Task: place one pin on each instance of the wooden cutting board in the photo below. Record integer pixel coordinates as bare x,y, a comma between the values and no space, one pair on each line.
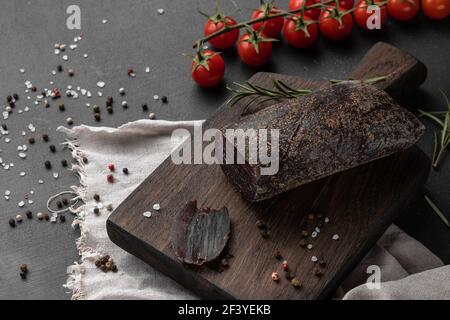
360,204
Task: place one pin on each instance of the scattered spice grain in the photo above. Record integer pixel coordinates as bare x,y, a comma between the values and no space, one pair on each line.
296,283
12,223
275,276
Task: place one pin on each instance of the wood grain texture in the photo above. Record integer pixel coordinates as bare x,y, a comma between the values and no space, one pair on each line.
360,204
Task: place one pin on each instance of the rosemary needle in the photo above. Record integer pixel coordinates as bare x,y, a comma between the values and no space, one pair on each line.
442,118
281,90
437,211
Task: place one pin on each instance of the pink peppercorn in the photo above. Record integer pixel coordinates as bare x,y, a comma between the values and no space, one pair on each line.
111,167
285,265
110,178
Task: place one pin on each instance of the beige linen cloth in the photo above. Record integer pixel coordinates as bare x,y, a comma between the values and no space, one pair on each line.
141,146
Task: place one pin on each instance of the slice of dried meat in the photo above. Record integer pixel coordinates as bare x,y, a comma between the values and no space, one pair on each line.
200,235
328,131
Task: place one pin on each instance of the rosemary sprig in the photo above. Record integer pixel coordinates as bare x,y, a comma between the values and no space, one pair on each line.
437,211
281,90
442,139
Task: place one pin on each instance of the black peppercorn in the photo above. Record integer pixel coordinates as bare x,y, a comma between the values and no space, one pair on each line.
33,89
5,127
12,104
109,101
9,98
71,73
164,99
29,214
125,170
97,117
23,275
48,165
46,217
12,223
16,96
97,211
31,140
65,202
62,218
64,163
145,107
45,137
277,255
23,268
260,224
47,104
85,160
96,197
62,107
59,68
59,204
52,148
109,109
44,93
96,109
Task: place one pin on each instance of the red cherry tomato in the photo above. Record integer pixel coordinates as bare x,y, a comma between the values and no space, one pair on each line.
436,9
226,40
331,28
361,15
211,75
298,38
346,4
403,9
272,27
248,53
298,4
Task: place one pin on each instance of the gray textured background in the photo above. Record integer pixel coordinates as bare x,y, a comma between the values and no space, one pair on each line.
135,36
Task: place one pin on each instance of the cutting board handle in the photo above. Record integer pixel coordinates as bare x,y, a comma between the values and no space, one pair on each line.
404,72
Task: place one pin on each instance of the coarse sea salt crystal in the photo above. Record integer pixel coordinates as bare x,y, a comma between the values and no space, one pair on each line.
55,175
314,259
85,55
156,207
22,70
155,97
41,181
160,11
147,69
22,155
73,46
21,204
104,21
309,246
335,237
147,214
65,57
100,84
22,174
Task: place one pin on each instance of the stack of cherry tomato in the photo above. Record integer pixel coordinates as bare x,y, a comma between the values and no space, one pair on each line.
334,21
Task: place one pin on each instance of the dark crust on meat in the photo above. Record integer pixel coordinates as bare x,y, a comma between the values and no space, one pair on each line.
329,131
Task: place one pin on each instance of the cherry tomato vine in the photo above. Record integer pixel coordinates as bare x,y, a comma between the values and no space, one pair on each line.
300,26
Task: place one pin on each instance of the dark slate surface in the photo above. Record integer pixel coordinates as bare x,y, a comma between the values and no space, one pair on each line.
136,36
